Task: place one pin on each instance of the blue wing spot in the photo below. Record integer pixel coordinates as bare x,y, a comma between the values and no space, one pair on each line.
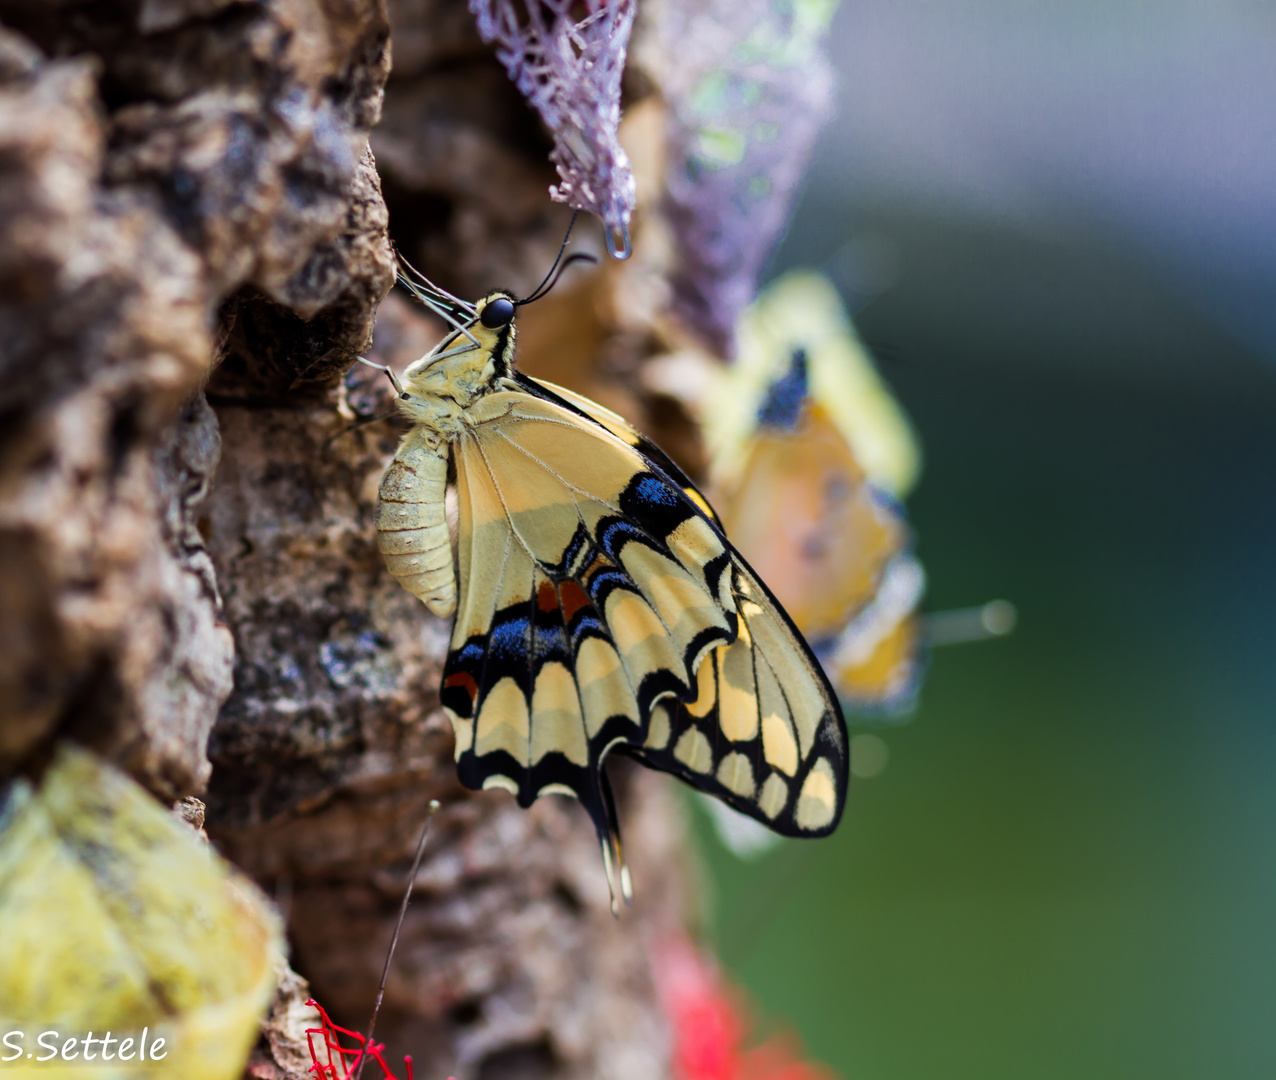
616,534
588,626
656,503
551,643
508,641
782,406
654,492
602,582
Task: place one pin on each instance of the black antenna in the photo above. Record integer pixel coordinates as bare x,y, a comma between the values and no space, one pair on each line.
577,256
536,293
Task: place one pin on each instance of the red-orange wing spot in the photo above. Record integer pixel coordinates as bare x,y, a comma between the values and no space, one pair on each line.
465,681
572,598
546,597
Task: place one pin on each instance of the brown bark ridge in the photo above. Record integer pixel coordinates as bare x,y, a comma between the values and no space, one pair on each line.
193,245
157,161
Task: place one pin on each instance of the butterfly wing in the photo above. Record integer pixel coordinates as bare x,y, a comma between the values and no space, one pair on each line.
592,588
809,521
876,660
624,431
763,734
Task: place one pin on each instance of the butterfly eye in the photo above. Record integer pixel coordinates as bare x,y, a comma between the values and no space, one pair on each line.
497,312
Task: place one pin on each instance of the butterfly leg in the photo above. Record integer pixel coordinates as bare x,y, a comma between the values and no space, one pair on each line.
362,421
389,372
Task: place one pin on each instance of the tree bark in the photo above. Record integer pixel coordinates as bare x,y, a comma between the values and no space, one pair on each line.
194,241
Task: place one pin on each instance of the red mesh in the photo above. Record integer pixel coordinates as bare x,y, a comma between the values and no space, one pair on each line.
333,1061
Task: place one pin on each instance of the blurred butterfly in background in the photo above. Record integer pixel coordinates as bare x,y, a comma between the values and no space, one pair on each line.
599,605
810,459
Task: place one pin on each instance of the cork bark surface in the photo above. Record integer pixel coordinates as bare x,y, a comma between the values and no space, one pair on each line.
197,199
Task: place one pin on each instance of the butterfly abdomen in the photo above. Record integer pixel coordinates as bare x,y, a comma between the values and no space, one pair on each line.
412,530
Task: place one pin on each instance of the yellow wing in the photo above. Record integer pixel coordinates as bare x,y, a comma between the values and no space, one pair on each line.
809,522
738,686
876,660
626,432
593,584
837,553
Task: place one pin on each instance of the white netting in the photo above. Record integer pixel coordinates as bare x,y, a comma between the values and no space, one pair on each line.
567,58
749,86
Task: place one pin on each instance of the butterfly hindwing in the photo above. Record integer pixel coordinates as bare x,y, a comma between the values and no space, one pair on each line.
763,734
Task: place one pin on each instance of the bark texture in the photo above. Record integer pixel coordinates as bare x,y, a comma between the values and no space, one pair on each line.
193,246
158,163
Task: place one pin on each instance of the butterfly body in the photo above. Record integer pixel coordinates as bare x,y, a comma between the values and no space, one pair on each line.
435,394
598,604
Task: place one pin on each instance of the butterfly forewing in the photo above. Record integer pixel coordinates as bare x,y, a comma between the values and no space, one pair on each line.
624,431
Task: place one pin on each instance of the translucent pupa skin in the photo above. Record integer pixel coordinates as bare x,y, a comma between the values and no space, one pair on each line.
435,395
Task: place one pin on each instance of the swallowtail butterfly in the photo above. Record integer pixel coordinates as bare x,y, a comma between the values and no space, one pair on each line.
599,605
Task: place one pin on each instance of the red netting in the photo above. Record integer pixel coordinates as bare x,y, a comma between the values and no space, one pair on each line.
333,1061
704,1012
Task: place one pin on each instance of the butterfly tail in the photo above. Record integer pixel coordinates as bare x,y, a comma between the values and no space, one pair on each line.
608,826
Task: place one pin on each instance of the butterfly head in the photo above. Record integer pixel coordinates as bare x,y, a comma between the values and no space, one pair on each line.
479,351
496,309
467,364
494,329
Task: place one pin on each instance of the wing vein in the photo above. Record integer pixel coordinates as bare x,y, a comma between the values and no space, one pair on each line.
530,692
500,580
496,486
554,472
575,491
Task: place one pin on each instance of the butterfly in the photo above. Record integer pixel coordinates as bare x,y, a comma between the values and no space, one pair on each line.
599,605
810,458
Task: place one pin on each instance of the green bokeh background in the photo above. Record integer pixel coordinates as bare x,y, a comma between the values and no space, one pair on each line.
1068,867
